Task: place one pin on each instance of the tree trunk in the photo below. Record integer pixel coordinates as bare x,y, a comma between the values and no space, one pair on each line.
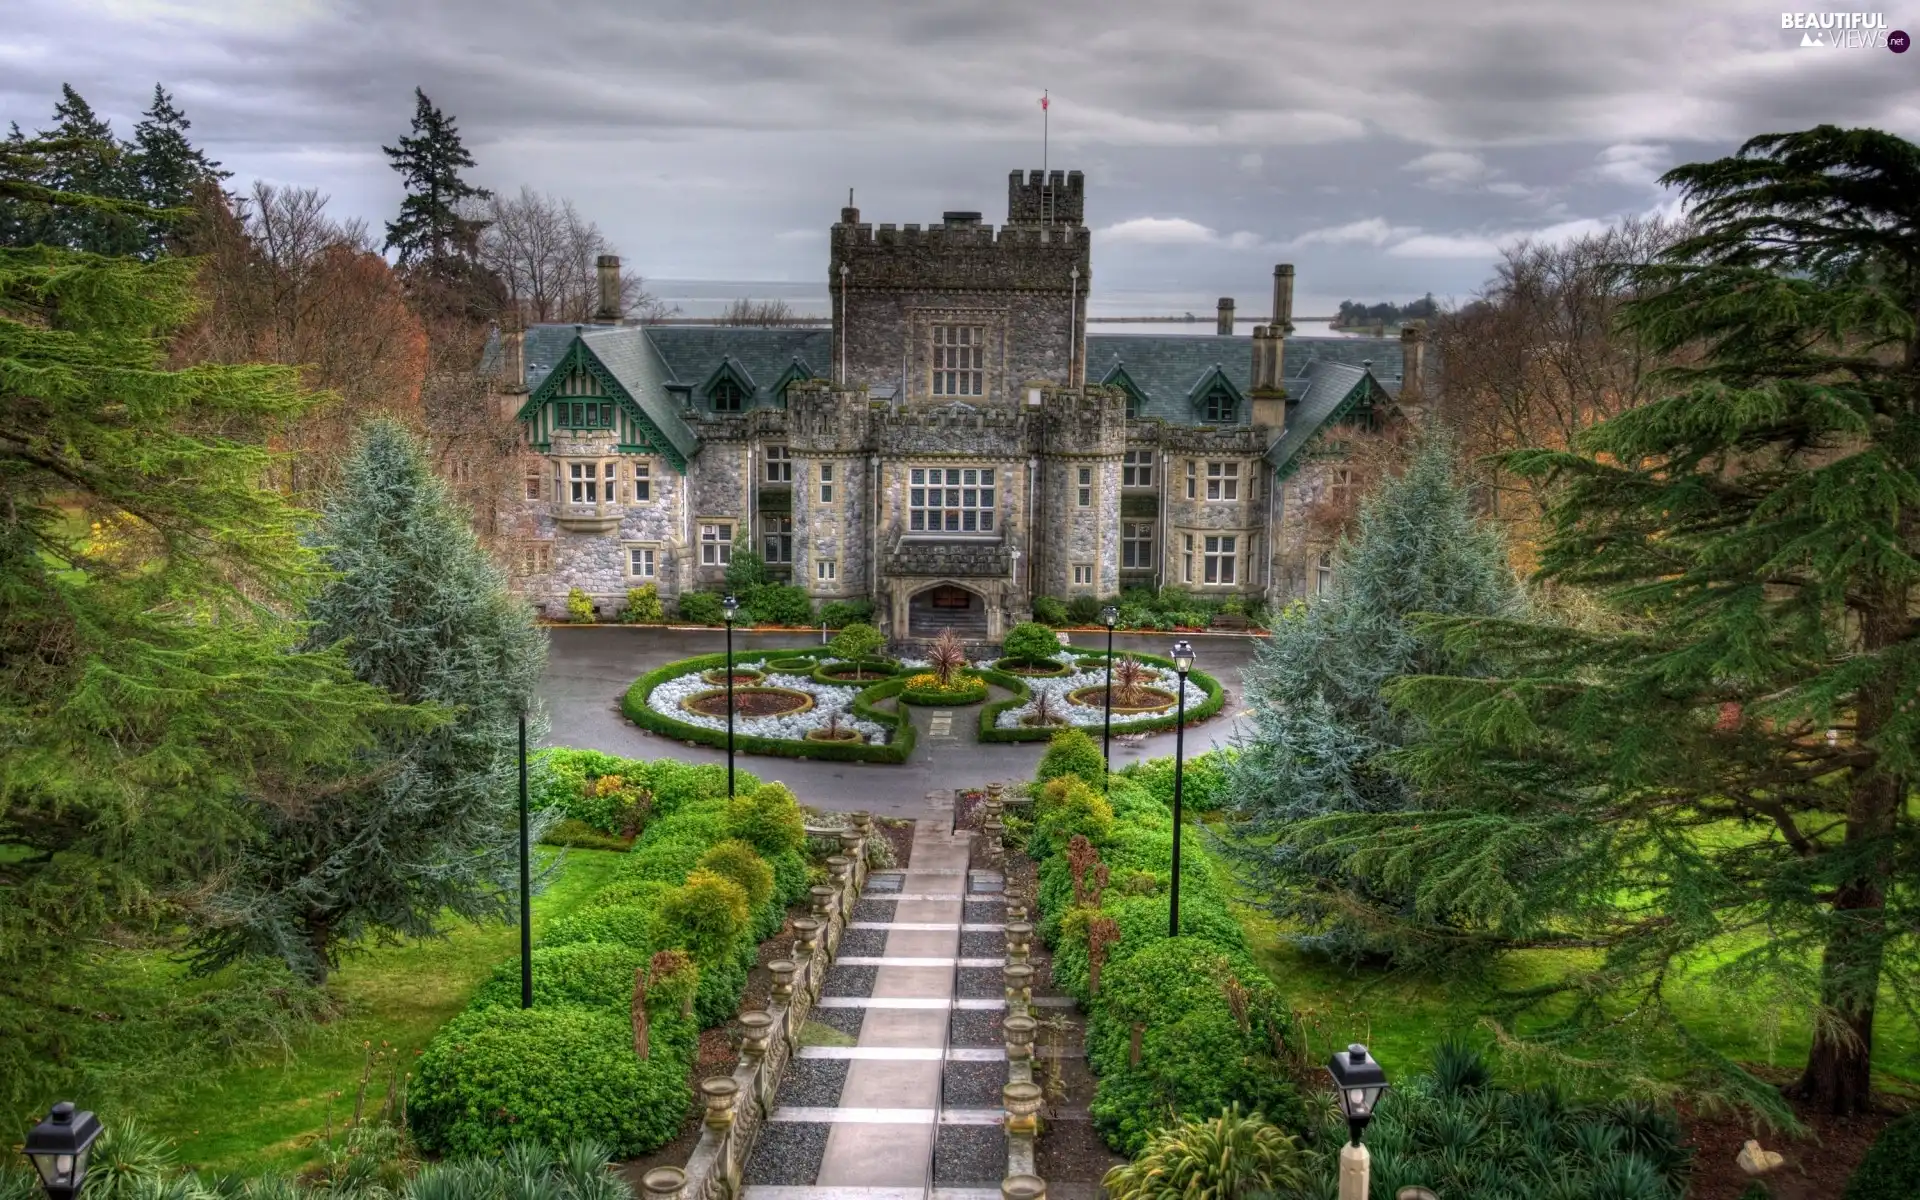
319,942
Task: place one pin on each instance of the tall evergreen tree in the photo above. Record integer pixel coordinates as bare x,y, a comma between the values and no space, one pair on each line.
1729,785
430,230
148,677
87,159
1320,724
166,166
423,614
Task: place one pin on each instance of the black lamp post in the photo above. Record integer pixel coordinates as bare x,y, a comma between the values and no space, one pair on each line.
1109,616
1182,663
526,875
730,606
1358,1082
58,1146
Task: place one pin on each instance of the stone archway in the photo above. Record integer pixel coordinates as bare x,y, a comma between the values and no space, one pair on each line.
948,605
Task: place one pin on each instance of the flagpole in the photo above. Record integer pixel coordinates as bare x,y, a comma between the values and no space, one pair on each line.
1046,190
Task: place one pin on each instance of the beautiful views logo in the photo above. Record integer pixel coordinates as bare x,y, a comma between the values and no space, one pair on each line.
1841,31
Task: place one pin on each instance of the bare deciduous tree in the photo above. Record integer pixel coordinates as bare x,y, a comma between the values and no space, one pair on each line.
544,252
758,312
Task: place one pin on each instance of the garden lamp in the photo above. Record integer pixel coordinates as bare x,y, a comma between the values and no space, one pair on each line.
58,1148
730,607
1358,1082
1182,663
1109,616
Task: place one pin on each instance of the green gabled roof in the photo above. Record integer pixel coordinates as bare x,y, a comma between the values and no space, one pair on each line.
730,368
1328,394
624,362
1215,378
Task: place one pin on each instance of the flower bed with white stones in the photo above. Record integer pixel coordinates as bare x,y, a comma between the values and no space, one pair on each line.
1059,688
827,700
655,702
1005,721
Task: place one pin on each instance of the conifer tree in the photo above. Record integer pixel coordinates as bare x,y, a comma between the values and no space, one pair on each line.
166,166
148,675
1321,727
91,161
422,613
431,231
1727,785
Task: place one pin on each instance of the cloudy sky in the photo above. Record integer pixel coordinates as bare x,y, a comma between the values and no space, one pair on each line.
1387,148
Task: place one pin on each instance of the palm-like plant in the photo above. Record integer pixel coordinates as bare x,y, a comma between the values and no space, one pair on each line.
946,657
1229,1156
1046,709
1130,675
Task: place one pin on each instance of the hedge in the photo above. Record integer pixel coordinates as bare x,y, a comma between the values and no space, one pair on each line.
935,697
634,704
884,667
990,732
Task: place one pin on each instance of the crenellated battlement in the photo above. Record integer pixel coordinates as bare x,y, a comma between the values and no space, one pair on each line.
1059,197
959,257
953,429
1082,423
821,419
914,235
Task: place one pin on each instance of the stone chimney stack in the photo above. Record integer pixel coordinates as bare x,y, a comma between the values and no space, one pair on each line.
608,267
513,360
1283,298
1269,395
1223,324
1413,360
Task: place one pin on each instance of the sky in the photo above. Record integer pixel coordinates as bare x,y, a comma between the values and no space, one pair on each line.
1388,149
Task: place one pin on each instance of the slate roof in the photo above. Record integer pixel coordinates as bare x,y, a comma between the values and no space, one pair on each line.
1312,401
692,353
1167,366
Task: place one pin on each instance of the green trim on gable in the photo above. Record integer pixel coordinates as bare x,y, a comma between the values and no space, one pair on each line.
797,372
1214,382
731,371
537,411
1361,393
1136,396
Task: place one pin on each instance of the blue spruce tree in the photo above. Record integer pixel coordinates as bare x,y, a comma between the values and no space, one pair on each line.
1322,728
430,826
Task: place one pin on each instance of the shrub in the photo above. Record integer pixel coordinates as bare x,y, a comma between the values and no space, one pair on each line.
737,861
701,608
1203,789
579,607
1139,922
790,882
1065,807
705,916
704,821
628,924
717,1000
1891,1169
768,818
643,606
838,614
926,688
1033,642
666,861
1211,1032
1073,752
502,1074
678,784
778,604
596,974
1084,610
856,641
582,836
1228,1155
1049,611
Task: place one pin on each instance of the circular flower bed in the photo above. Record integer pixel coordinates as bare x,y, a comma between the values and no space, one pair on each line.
657,702
749,702
927,689
842,734
865,670
1144,699
1032,668
1091,682
742,676
799,664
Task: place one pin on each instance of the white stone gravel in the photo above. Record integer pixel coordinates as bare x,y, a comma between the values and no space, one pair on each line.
1080,714
827,700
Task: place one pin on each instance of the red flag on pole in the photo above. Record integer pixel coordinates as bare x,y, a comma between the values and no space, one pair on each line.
1043,102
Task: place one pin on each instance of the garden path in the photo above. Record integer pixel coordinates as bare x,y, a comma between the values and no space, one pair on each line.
895,1094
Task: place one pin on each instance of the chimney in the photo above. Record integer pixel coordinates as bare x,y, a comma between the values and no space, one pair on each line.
513,361
1283,298
1268,395
1224,324
1413,361
608,267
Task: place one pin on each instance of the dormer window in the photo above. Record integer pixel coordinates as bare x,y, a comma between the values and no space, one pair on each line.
1221,408
727,396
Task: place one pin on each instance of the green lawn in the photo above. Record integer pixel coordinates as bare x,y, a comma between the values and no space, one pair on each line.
251,1118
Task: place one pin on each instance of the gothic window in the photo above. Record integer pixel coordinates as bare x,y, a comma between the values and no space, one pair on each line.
959,360
1220,407
1223,481
779,465
1136,545
727,396
950,500
777,529
1220,559
1136,469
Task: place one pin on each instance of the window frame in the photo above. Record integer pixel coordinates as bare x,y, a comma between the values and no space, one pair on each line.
1193,476
715,550
826,570
779,465
1220,407
1136,546
1223,481
1082,574
1323,573
536,557
536,483
769,546
574,412
732,389
1083,482
1186,559
954,517
826,483
958,352
1136,469
642,483
652,552
1220,560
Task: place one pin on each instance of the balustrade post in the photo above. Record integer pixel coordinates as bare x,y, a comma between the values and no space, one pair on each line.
664,1183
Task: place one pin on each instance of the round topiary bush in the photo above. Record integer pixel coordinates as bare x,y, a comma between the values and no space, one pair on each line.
736,860
497,1075
1072,752
796,664
767,818
1032,642
705,916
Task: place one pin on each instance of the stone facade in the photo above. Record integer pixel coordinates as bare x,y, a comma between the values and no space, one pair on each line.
941,450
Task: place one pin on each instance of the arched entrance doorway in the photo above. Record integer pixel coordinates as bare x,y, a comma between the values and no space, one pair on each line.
947,606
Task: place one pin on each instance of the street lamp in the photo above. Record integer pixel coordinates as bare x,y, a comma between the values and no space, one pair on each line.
1358,1083
58,1146
1182,663
1109,616
526,875
730,606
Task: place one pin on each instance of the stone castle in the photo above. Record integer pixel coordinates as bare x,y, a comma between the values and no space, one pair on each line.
955,445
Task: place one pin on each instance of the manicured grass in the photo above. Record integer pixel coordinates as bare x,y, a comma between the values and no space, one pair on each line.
270,1115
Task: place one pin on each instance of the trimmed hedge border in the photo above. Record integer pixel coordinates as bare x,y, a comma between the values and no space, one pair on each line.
634,705
885,667
1005,664
990,732
973,695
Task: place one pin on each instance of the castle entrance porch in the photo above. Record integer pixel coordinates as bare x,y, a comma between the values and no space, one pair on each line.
949,606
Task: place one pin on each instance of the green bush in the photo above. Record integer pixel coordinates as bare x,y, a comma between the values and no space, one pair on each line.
579,607
1203,787
596,974
582,836
706,916
768,818
496,1075
576,783
736,860
1142,921
702,821
871,667
778,604
838,614
1891,1169
643,606
1226,1155
1032,642
721,985
1073,752
1212,1032
1049,611
790,882
678,784
1066,806
629,924
857,641
701,608
1084,610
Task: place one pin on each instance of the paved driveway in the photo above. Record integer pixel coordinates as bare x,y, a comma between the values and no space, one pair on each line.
589,669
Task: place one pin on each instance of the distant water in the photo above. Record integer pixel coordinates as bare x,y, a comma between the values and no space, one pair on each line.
710,298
